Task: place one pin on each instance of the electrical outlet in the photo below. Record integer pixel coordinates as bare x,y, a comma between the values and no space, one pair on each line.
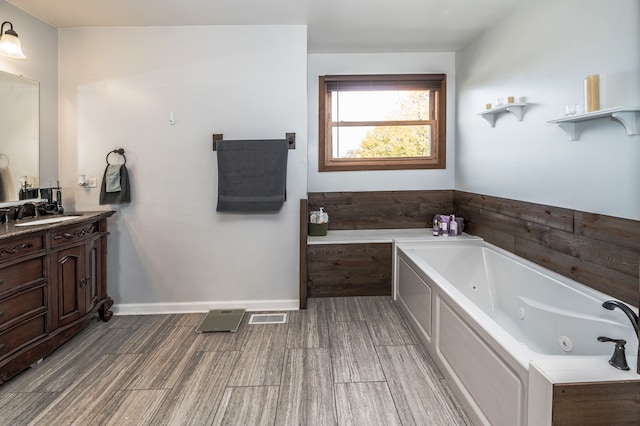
92,182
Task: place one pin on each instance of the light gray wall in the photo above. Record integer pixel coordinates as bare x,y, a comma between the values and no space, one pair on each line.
380,63
40,44
169,249
542,51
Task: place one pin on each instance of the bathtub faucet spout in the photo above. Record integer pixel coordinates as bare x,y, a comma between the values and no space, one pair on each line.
612,304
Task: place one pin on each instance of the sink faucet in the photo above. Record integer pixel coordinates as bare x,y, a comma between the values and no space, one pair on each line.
35,205
612,304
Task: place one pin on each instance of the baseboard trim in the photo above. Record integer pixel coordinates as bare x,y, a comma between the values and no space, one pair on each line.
196,307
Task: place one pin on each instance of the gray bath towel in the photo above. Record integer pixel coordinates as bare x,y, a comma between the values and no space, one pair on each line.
252,175
117,197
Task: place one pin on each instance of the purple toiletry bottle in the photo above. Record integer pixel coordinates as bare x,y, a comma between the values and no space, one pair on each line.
453,226
444,225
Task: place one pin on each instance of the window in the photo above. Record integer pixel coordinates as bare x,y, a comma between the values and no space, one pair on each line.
382,122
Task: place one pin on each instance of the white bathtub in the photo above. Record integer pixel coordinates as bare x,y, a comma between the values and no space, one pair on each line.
485,315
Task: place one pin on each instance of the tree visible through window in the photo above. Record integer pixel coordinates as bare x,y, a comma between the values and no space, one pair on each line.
382,122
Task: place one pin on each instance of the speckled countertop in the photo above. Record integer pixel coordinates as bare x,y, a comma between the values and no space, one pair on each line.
10,230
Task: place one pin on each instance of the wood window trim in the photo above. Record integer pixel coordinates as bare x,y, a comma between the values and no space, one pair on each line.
326,162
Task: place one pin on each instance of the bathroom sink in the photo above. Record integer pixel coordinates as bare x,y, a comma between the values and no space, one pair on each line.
47,220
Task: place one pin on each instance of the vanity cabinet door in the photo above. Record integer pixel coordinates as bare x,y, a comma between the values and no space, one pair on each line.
77,279
69,282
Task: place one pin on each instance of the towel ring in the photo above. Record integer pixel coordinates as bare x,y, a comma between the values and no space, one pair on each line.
119,151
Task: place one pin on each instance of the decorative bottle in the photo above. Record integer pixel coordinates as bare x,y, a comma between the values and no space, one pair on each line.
592,93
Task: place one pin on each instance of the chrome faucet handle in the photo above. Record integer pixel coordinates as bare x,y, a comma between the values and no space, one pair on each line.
618,359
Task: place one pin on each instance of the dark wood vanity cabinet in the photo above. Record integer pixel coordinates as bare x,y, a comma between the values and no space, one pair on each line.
52,283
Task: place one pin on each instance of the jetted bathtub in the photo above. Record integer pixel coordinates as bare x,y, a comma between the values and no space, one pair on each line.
485,315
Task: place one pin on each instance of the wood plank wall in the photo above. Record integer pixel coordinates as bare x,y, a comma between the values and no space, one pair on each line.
594,404
336,270
600,251
303,254
381,209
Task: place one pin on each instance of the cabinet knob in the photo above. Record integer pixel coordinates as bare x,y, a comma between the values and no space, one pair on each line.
82,281
1,314
1,346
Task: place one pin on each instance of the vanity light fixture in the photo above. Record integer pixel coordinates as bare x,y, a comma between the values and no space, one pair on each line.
10,43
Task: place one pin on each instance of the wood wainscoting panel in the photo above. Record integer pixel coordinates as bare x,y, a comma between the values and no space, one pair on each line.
349,270
519,211
381,209
302,255
587,404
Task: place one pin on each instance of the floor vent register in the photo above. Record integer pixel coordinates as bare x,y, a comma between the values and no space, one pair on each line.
268,318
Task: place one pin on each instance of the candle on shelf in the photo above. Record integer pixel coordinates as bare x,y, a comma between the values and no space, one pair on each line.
592,93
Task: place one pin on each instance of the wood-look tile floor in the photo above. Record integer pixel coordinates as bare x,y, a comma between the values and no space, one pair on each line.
343,361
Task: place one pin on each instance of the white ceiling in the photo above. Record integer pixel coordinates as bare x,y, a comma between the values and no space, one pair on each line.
333,25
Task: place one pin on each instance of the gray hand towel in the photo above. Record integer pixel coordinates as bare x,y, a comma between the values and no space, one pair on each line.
252,175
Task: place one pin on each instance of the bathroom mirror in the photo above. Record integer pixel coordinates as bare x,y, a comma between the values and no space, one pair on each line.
19,137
